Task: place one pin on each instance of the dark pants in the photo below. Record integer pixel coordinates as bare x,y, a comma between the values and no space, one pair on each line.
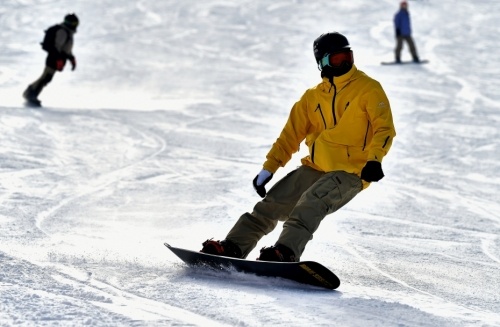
411,45
35,88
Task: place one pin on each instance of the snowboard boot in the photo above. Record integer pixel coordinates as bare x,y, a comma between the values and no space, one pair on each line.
276,252
31,96
224,248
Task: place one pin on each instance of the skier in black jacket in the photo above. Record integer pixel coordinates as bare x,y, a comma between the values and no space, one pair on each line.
59,45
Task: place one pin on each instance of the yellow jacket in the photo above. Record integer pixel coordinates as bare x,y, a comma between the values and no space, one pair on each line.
359,129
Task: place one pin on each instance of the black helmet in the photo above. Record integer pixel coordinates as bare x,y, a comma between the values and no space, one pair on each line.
71,21
333,54
330,43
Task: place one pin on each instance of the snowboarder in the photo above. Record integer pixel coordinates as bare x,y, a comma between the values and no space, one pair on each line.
346,122
402,25
58,43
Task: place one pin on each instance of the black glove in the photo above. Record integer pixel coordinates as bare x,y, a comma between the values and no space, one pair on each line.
398,32
372,171
60,64
260,181
72,59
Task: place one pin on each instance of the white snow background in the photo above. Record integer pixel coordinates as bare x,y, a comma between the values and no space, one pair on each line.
159,132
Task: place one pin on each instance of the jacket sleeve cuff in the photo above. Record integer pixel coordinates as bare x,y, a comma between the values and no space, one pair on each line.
271,166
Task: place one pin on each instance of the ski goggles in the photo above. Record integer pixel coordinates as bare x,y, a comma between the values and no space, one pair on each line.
335,59
71,23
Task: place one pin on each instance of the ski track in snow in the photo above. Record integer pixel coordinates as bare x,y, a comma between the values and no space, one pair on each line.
158,133
104,181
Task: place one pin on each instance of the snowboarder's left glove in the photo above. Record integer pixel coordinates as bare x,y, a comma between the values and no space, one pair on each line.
260,181
60,64
372,172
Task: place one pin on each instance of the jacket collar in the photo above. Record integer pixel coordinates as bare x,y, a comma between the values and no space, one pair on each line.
341,81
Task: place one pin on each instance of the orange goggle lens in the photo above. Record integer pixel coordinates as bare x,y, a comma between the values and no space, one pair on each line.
335,60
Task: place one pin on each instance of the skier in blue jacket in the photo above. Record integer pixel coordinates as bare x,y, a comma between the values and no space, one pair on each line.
402,25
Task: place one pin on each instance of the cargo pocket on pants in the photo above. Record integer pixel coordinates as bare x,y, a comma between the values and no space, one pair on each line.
329,193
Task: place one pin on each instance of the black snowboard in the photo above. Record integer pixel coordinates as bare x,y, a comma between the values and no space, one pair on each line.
306,272
421,62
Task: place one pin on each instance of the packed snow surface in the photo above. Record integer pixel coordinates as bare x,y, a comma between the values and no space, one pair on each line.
158,133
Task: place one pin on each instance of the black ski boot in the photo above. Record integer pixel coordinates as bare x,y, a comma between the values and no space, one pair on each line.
31,97
224,248
276,252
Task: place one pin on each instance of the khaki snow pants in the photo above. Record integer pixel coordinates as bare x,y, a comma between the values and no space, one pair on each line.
301,199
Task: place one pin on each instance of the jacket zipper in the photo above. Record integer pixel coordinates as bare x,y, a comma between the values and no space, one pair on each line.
333,103
321,113
386,140
324,121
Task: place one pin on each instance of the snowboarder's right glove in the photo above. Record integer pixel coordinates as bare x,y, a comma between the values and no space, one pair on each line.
372,171
72,60
260,181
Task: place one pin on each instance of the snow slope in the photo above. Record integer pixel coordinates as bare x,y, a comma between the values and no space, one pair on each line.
158,133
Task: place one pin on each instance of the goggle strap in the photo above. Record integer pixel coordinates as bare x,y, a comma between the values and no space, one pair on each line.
325,61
